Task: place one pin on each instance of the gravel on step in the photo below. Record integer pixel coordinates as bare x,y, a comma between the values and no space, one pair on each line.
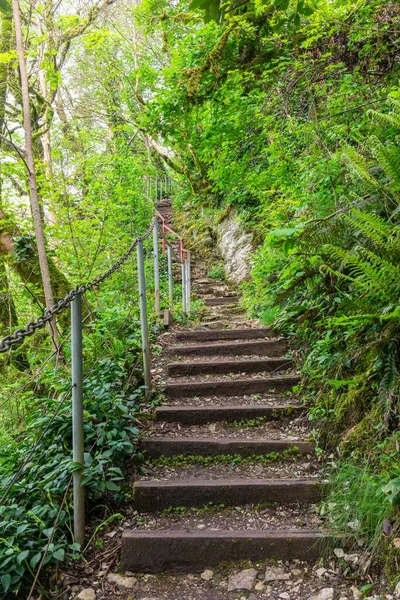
249,399
216,518
229,358
287,469
272,430
265,375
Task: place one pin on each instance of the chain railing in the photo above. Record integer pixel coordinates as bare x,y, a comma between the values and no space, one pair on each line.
159,229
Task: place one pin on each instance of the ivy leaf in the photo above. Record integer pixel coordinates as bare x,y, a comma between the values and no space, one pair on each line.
59,554
113,487
22,556
5,581
35,559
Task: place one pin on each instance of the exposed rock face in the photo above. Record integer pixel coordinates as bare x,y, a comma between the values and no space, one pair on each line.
234,246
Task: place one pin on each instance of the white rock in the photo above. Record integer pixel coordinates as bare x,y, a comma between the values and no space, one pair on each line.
207,575
259,587
324,594
124,582
356,592
354,524
320,572
243,580
397,590
275,574
339,552
352,558
296,572
111,534
284,596
201,526
86,594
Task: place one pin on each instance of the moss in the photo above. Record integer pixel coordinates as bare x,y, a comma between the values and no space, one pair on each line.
363,435
350,407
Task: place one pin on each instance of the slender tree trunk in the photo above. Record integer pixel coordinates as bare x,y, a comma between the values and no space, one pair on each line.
33,193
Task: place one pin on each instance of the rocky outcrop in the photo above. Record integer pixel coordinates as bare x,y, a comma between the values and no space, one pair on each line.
234,246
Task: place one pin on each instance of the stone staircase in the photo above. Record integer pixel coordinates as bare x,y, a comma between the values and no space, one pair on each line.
232,473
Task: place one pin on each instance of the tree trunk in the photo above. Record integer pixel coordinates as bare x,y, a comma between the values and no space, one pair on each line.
26,264
33,193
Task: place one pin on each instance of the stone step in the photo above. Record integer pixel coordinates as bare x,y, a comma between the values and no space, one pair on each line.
257,365
249,348
212,446
210,335
221,300
197,415
207,290
153,496
225,387
192,551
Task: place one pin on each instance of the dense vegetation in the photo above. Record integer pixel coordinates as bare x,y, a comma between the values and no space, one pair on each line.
285,113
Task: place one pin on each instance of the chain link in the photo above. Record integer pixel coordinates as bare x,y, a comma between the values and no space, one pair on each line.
19,335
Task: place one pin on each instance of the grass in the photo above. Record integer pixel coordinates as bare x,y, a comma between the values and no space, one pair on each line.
216,272
356,505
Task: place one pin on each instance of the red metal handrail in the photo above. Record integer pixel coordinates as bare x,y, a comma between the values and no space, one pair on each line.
166,228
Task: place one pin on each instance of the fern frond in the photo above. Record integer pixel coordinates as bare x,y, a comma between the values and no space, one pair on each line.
358,165
388,156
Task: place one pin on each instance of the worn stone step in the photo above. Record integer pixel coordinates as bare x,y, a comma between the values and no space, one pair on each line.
197,415
211,335
152,496
257,365
225,387
249,348
221,300
192,551
207,290
212,446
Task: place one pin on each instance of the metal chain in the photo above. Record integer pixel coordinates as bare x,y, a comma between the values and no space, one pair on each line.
8,341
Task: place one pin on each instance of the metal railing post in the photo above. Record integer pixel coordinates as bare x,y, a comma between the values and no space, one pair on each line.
184,288
170,280
77,419
156,270
188,283
143,319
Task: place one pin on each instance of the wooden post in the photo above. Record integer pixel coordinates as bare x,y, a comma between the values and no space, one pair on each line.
143,319
77,420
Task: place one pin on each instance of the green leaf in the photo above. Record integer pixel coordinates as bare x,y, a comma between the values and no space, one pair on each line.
5,8
22,556
296,20
59,554
110,485
35,559
75,546
5,581
284,4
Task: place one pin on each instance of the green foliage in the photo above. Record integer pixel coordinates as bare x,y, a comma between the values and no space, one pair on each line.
216,272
